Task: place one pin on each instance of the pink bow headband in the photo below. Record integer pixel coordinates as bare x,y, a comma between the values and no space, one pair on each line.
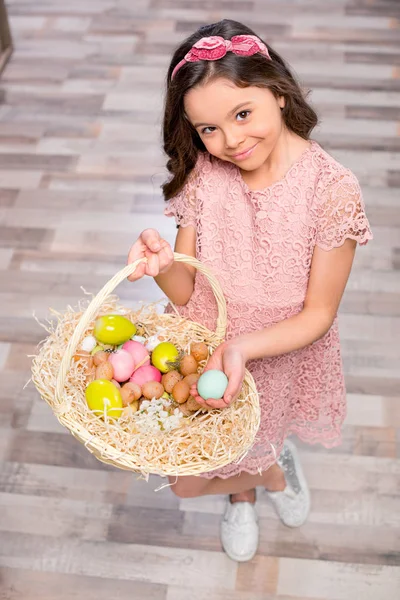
215,47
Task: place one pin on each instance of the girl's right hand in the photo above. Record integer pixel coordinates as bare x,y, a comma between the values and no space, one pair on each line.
158,252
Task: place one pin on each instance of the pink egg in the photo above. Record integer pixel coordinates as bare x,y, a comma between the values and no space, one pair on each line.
145,374
136,350
123,364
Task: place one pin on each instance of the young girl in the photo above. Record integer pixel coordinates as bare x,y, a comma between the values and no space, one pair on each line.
277,220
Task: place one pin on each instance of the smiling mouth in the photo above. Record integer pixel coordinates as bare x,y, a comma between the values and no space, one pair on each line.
245,153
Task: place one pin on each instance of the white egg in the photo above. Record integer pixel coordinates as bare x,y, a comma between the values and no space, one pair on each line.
138,338
88,343
152,342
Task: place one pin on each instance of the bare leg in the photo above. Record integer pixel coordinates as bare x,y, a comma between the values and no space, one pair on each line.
190,487
248,496
274,482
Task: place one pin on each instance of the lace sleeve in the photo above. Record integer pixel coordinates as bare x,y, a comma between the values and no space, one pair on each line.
183,205
341,214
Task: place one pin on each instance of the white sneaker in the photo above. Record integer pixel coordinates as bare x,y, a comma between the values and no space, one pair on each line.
293,504
239,531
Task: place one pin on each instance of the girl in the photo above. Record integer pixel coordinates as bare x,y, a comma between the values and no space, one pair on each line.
277,220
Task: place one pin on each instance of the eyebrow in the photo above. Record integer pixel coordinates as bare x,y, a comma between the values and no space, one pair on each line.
230,113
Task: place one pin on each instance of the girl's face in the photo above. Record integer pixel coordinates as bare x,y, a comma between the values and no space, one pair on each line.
239,125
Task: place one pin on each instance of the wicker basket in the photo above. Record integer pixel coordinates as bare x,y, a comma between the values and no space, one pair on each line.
202,442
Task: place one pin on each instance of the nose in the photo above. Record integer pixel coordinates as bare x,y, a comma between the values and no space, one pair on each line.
233,138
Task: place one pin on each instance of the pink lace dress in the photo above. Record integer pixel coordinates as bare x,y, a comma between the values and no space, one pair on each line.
259,244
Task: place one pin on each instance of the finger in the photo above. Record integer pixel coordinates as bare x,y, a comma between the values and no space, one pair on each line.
215,361
138,272
216,403
165,257
235,381
136,251
152,267
200,401
151,238
169,253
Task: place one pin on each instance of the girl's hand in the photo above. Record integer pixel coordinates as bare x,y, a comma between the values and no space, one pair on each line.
158,252
229,358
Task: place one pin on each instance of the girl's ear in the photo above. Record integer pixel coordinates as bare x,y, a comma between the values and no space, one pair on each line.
281,101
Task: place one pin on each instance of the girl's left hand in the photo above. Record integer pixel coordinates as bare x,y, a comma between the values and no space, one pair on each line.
229,358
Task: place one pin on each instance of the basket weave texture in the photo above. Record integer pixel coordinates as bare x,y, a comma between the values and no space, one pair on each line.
201,443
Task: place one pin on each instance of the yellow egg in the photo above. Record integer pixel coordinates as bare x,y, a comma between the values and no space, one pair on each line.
113,329
103,396
164,356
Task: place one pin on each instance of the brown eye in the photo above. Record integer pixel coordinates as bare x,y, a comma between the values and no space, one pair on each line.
243,114
207,130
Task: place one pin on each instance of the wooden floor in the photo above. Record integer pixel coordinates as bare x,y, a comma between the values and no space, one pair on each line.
80,168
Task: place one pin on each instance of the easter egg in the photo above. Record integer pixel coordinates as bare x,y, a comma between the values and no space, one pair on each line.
138,352
152,342
123,364
89,343
96,349
113,329
103,396
145,374
212,384
164,355
138,338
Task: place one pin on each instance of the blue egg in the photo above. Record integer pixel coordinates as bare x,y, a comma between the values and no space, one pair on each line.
212,384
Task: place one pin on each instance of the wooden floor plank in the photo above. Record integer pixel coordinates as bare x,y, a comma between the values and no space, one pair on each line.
80,173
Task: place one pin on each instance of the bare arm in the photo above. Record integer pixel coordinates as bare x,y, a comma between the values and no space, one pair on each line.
328,278
178,282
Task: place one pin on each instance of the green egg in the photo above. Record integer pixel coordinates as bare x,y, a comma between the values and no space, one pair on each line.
212,384
96,349
113,329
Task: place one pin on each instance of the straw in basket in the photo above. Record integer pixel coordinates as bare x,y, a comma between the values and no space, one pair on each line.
201,443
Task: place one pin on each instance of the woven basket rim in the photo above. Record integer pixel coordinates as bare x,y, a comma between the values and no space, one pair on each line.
104,450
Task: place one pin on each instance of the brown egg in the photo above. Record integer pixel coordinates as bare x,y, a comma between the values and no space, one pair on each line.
192,404
152,389
181,391
116,383
90,373
130,392
199,350
105,371
100,357
188,365
137,390
185,410
170,379
130,409
191,379
84,357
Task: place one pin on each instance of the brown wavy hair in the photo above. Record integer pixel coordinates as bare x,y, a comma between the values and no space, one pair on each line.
181,141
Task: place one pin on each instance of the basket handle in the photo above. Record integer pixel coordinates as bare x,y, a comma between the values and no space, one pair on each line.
98,301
